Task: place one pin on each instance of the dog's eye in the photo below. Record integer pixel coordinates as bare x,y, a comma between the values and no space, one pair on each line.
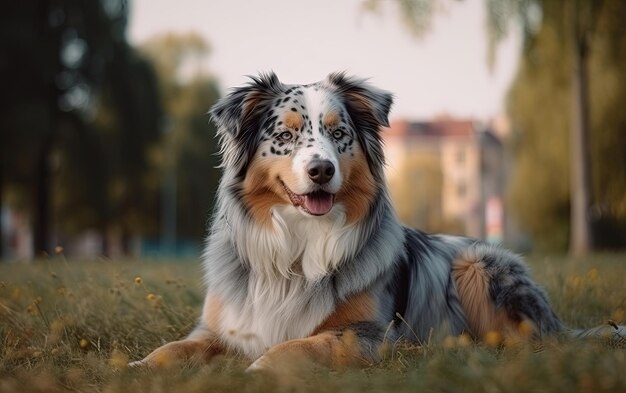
338,134
286,136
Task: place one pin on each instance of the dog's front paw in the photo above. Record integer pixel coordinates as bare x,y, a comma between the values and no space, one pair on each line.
159,358
261,365
286,374
165,356
138,364
199,351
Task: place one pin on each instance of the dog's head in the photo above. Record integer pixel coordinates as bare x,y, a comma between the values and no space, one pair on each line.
315,147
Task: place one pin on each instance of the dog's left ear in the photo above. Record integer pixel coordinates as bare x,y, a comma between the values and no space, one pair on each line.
368,108
365,102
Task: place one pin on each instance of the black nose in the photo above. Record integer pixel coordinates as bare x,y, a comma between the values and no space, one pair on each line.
320,171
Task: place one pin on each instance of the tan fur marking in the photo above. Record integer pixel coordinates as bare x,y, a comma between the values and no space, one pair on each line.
201,345
357,193
332,349
472,282
293,120
331,119
172,353
358,308
212,313
329,345
262,189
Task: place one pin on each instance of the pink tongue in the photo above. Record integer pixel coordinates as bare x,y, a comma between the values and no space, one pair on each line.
318,203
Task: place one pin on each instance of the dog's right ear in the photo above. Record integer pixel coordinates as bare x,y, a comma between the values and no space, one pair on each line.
241,115
239,112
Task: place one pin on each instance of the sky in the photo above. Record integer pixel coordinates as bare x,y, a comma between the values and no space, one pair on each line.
445,72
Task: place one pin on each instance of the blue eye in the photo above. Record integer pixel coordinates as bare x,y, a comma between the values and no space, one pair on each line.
338,134
286,136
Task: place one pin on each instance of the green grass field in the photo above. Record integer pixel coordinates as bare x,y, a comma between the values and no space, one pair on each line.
72,326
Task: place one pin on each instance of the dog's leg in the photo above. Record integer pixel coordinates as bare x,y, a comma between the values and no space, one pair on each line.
200,346
355,345
498,294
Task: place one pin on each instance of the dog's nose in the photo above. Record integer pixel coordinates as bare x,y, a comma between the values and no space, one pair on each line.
320,171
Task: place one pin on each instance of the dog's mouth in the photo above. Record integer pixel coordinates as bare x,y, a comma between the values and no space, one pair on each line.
316,203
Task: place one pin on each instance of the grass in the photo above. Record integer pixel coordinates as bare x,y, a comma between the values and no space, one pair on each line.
72,326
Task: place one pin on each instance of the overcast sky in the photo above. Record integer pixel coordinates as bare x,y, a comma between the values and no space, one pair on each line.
445,72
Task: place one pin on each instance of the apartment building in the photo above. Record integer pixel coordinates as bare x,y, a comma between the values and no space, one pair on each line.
459,164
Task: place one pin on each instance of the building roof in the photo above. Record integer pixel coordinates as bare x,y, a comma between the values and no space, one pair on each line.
439,128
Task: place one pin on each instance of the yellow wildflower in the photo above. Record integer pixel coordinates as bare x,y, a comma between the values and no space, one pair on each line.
83,343
449,342
118,360
464,340
493,338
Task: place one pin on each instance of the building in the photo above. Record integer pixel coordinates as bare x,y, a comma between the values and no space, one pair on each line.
466,192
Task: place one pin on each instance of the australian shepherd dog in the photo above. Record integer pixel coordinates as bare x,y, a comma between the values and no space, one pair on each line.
306,258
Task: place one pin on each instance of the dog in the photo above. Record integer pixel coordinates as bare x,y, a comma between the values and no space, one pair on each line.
306,258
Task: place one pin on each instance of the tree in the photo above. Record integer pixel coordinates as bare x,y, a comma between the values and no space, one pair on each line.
105,179
576,24
538,100
60,59
187,157
29,102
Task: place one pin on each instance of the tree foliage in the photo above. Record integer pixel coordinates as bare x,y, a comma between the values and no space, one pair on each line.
416,15
79,108
539,98
419,207
104,178
539,106
188,152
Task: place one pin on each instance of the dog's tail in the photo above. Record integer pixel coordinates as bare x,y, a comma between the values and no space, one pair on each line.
610,330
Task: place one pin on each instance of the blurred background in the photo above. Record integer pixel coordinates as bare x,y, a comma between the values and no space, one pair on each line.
509,123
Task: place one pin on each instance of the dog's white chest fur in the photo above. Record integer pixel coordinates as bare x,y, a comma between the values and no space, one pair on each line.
274,312
285,265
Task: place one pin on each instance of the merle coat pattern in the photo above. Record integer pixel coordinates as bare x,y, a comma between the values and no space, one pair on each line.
306,257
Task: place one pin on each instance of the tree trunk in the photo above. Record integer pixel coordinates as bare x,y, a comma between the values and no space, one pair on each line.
1,211
41,225
580,184
43,176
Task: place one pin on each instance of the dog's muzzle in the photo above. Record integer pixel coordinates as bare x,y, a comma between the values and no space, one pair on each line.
320,171
316,203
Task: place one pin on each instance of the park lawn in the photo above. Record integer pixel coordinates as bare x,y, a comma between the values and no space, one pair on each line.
70,325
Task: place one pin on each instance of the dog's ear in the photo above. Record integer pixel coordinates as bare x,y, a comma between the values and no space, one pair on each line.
366,103
241,115
368,108
236,112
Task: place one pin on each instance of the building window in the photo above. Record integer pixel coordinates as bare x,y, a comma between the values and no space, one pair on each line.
460,156
461,190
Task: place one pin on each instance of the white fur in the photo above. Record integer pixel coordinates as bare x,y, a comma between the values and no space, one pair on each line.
267,317
296,253
315,245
